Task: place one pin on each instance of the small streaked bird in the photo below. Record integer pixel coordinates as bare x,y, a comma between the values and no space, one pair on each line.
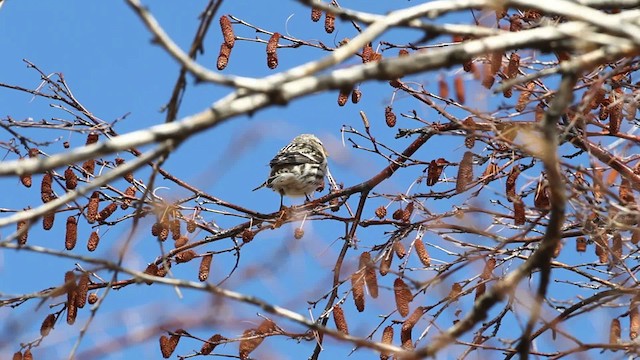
298,169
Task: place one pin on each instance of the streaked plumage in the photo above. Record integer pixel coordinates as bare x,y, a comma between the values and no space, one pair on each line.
298,169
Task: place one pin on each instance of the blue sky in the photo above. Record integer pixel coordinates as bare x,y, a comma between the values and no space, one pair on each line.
106,56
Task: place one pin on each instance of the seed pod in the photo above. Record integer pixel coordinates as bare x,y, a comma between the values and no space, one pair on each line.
316,14
513,66
164,231
205,267
614,332
70,179
343,96
634,322
223,56
389,116
487,272
27,181
458,86
357,284
92,207
329,22
89,166
82,289
17,356
185,256
356,95
376,56
298,233
387,338
249,343
402,296
191,226
519,217
47,325
152,269
227,31
385,264
180,242
48,219
399,249
107,211
443,88
615,117
247,235
93,298
46,192
369,270
168,345
421,250
211,344
272,55
71,234
94,239
340,320
465,172
480,289
381,212
23,226
511,183
27,355
92,138
412,320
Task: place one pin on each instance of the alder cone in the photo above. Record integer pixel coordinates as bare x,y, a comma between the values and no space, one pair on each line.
581,244
92,207
82,290
316,14
48,220
343,96
71,234
46,192
402,296
329,22
94,239
389,117
70,179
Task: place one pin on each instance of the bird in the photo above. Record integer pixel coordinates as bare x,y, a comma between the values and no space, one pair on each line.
298,169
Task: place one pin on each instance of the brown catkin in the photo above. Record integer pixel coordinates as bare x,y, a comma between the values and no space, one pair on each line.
511,183
513,66
247,235
128,176
272,55
27,355
519,217
487,77
405,340
480,289
26,180
456,290
614,332
227,31
211,344
523,99
47,325
367,51
175,227
413,319
634,321
82,290
356,95
107,211
343,96
399,249
357,284
316,14
487,272
385,263
581,244
48,220
329,22
128,194
180,242
89,166
615,117
248,343
387,338
370,277
46,192
223,56
616,246
465,172
70,179
402,296
72,309
496,62
71,234
340,320
389,116
191,226
422,252
17,356
23,227
94,239
92,207
205,267
458,87
186,256
443,88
